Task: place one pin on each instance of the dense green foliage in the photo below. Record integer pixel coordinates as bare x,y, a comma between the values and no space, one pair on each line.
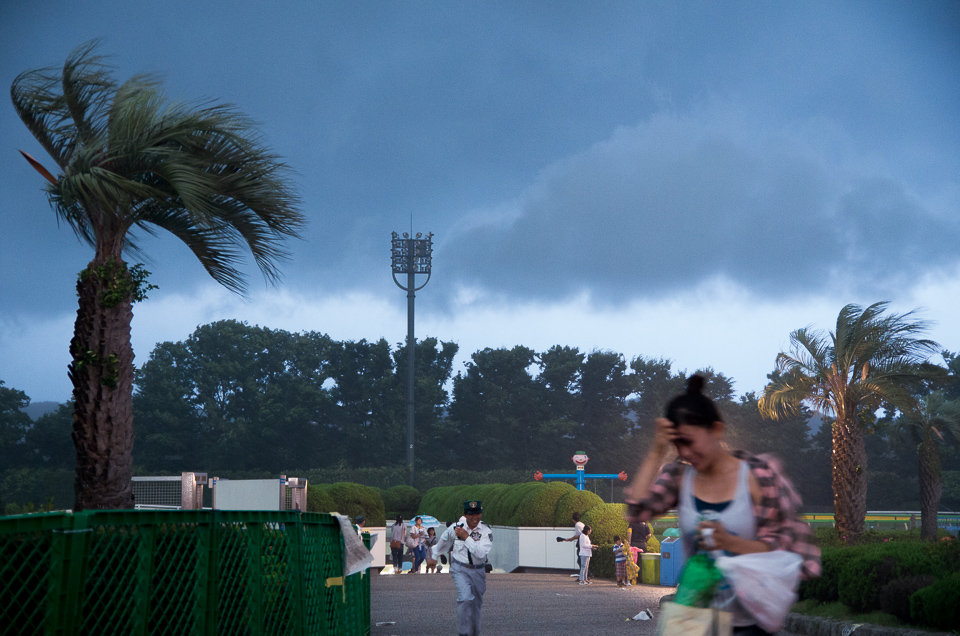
890,574
404,500
248,402
538,510
602,563
574,501
606,520
347,499
938,605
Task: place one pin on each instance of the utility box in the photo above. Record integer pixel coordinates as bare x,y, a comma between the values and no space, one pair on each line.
672,558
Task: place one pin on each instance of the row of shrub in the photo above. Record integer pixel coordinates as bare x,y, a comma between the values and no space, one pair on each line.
529,504
919,582
347,499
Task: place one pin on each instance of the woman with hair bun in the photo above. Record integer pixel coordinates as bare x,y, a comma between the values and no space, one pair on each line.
741,500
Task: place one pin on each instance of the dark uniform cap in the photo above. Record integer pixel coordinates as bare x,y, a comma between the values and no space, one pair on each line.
472,507
359,519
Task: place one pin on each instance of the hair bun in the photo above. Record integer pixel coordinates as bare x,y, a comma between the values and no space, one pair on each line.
695,384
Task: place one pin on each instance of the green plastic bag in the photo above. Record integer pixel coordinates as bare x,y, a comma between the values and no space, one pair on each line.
698,581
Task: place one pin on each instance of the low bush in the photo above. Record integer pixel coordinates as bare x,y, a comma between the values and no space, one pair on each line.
826,588
318,500
506,509
875,565
538,510
602,563
862,578
446,503
575,501
527,504
351,500
895,596
606,520
939,604
404,500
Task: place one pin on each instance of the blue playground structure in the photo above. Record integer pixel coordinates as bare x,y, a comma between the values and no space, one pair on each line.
581,476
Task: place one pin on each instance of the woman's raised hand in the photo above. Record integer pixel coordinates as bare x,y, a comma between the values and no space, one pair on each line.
664,434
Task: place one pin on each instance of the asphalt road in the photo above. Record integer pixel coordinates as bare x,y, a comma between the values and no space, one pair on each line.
514,605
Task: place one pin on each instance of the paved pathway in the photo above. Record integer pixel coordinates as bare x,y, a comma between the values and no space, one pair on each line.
514,605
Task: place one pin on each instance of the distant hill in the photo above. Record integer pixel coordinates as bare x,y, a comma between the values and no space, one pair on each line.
36,409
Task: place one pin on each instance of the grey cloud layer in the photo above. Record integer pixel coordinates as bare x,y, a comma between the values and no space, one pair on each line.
677,201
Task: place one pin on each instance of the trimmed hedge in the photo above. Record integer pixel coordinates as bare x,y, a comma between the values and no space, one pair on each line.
404,500
895,595
532,504
446,503
602,563
348,499
606,520
538,509
939,604
319,500
574,501
893,576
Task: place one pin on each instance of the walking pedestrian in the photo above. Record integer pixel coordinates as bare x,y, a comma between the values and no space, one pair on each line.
742,500
417,536
397,536
471,540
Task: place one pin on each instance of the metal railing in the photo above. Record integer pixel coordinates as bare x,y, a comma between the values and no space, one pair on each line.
178,572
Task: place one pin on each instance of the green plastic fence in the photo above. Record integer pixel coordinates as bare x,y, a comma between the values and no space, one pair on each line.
178,572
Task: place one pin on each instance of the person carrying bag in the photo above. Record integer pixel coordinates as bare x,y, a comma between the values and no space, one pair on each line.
729,504
397,536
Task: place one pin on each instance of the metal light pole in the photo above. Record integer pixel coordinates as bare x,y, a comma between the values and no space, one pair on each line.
411,256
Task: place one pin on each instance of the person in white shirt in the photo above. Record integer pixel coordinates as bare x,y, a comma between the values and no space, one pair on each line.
586,551
471,540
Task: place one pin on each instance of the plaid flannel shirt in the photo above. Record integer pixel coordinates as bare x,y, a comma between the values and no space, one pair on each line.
778,522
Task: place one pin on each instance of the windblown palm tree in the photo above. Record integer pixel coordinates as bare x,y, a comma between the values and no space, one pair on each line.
934,422
130,160
871,359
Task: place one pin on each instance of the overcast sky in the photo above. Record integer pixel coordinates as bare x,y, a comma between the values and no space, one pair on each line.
687,180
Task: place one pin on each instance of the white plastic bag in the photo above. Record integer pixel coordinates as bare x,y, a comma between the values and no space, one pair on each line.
765,582
356,557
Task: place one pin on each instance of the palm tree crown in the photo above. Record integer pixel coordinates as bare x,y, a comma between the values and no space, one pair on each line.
130,159
872,358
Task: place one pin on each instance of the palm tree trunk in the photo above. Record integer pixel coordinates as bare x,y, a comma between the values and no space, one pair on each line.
931,485
849,479
102,375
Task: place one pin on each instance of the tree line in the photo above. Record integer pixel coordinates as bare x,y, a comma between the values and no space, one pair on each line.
234,397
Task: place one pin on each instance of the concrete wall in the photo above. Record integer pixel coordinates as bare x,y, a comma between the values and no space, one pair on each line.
379,546
515,548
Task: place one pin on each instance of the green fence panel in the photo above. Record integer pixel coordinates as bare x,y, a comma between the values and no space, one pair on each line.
178,573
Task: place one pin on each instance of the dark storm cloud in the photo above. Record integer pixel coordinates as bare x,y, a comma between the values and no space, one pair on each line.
678,201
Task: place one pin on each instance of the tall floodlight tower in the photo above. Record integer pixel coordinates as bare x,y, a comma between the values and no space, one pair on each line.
411,256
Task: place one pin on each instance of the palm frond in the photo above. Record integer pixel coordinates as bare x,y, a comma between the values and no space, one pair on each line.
130,159
60,106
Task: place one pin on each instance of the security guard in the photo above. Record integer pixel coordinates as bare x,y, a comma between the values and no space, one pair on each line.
471,540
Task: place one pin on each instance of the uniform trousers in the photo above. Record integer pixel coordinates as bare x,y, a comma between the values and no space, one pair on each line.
471,582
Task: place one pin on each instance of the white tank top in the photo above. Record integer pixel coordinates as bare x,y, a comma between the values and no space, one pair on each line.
737,518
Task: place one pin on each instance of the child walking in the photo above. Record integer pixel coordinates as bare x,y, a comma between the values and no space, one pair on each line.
620,560
586,551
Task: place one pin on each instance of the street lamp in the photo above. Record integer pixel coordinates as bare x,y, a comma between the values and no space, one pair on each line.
411,256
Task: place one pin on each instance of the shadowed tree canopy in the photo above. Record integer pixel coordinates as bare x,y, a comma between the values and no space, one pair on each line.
129,160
